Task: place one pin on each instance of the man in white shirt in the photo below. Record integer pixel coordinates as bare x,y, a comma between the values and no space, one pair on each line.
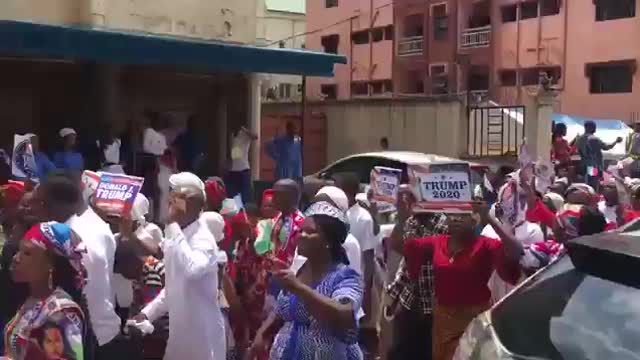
154,145
362,226
62,200
190,295
239,178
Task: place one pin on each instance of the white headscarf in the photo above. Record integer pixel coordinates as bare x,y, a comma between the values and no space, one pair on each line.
140,209
336,195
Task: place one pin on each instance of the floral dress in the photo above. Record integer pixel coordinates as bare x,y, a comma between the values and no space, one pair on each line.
48,329
303,338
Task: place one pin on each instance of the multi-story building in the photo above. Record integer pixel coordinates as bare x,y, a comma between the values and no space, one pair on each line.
442,46
281,24
587,48
361,30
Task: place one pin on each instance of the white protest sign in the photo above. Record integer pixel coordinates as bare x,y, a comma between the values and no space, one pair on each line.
23,163
442,187
384,184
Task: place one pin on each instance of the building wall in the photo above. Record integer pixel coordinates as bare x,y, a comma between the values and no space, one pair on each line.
271,27
366,62
423,125
591,42
206,19
444,51
525,44
48,12
569,40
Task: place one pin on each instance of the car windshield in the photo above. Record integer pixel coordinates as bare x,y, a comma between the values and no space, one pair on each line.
566,314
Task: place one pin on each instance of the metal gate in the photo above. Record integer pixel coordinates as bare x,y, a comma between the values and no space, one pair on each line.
495,130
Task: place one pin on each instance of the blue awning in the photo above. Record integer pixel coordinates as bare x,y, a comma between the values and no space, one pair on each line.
130,48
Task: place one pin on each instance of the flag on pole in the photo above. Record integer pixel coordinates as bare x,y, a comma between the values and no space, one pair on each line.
23,162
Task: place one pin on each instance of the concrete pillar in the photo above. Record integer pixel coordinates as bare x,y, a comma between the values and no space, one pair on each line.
255,121
538,113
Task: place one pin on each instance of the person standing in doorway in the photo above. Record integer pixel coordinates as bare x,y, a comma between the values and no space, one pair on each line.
68,158
286,152
109,145
590,148
154,145
239,177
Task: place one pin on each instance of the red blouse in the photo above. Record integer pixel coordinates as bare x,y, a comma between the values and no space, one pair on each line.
461,280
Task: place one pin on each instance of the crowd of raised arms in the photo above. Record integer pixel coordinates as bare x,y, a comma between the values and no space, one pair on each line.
201,269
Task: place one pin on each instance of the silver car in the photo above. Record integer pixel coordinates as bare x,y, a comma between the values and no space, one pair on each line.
583,306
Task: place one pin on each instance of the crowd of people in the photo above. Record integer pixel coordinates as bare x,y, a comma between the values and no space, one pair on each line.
294,275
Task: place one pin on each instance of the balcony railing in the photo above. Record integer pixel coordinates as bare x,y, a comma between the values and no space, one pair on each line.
475,37
410,46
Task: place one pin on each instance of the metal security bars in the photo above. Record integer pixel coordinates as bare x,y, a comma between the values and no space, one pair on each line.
495,130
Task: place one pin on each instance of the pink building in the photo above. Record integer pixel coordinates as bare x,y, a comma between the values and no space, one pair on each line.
588,49
363,31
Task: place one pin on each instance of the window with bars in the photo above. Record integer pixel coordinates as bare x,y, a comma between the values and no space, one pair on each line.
329,91
549,7
614,9
359,88
528,10
413,25
284,91
440,22
330,3
439,79
360,37
508,77
509,13
610,78
330,43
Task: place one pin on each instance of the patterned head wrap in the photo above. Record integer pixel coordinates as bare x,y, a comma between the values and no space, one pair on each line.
327,209
56,237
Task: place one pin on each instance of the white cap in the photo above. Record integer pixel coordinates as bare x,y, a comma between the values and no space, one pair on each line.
336,195
66,132
186,181
140,208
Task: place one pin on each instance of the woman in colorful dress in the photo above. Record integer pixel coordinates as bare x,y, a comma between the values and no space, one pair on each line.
316,313
462,263
50,324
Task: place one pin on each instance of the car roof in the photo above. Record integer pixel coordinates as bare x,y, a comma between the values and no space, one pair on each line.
407,157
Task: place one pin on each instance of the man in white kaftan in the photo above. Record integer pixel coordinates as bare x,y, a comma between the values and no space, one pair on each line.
190,295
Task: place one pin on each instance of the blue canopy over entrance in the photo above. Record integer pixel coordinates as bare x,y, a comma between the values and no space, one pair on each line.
131,48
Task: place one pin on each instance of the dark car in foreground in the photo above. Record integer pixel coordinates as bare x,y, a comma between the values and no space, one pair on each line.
583,306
